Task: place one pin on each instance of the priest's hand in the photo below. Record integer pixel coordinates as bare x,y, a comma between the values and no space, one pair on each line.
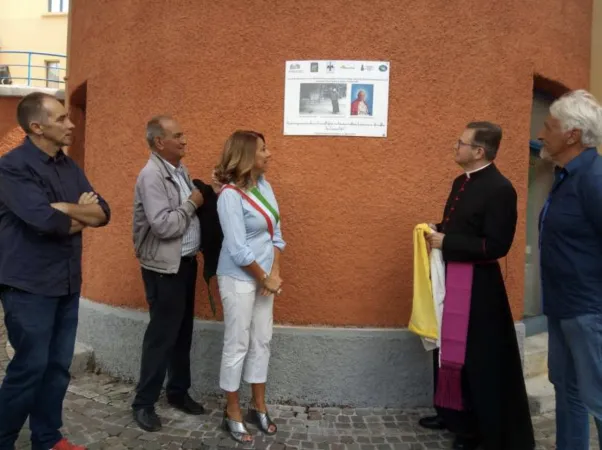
432,226
435,239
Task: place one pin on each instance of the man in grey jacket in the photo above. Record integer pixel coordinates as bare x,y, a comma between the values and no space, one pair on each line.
167,238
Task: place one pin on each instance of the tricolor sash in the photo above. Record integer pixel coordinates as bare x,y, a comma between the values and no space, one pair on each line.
259,202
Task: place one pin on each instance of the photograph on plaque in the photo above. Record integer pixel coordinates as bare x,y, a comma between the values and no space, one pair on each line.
336,98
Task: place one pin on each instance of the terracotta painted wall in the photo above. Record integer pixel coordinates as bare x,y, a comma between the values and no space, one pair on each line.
10,133
596,66
349,204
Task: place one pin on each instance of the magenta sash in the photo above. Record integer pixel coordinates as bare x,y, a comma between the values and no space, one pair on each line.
454,333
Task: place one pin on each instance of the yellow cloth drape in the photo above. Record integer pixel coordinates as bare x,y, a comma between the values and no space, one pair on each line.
423,321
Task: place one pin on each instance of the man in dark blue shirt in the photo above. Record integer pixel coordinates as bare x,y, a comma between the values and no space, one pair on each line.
45,203
570,233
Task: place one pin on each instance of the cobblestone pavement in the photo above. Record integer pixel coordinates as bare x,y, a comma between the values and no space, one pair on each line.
97,413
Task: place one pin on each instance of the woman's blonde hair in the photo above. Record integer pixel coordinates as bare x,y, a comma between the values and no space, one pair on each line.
238,158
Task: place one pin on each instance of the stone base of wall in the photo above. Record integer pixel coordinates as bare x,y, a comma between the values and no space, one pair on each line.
309,366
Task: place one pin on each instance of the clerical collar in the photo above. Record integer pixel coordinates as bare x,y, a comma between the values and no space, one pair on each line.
477,170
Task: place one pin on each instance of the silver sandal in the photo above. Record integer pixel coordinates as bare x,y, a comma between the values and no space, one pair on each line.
237,430
262,420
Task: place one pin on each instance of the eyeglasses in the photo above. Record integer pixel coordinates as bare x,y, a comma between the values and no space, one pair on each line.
460,144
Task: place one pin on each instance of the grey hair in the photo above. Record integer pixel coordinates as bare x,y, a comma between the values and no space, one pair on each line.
580,110
154,129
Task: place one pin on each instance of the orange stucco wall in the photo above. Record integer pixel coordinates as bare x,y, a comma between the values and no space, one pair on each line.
10,133
349,204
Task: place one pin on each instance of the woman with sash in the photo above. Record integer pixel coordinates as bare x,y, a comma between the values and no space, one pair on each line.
248,274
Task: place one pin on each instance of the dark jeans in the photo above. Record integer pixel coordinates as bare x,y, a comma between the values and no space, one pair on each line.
168,337
575,370
42,332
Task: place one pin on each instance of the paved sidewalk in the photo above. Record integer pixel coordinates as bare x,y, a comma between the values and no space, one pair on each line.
97,413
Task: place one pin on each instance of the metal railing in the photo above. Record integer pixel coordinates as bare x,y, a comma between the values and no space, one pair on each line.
32,68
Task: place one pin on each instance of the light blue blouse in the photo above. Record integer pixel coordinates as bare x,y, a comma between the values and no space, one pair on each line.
246,235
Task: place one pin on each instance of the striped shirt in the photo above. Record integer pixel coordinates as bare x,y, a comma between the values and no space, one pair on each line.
246,235
191,241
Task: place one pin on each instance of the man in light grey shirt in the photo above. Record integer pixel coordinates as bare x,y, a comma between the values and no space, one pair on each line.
167,237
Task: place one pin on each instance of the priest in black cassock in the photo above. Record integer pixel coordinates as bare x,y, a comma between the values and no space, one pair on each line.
480,393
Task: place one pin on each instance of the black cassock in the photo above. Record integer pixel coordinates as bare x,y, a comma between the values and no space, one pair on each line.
479,223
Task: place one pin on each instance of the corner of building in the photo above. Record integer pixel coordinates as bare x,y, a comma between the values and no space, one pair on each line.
596,51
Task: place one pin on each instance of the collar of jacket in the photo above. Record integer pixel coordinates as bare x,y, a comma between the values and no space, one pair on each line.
164,170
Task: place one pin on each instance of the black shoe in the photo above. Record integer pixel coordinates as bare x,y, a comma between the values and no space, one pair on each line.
432,423
186,404
464,443
147,419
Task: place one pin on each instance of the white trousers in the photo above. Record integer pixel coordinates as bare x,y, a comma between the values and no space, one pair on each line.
248,320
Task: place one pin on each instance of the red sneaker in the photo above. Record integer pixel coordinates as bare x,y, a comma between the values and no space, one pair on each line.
64,444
